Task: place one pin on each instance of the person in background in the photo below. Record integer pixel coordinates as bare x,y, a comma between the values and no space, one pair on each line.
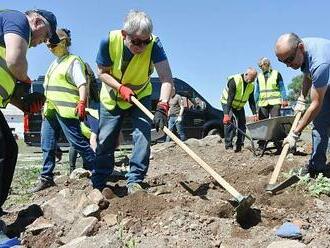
312,57
65,89
238,91
125,60
18,32
176,115
269,94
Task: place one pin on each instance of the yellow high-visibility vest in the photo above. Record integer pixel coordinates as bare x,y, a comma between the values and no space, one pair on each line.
136,75
7,82
241,95
61,94
269,91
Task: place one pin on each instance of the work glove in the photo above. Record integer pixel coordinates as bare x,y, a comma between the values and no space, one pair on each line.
291,139
33,103
179,119
160,117
284,103
300,105
226,119
27,80
125,93
81,110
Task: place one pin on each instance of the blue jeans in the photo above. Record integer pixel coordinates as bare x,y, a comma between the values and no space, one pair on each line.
320,136
109,128
173,124
50,131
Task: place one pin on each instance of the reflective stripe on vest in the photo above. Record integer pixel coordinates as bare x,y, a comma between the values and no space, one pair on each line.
61,94
241,95
136,75
7,81
85,131
269,91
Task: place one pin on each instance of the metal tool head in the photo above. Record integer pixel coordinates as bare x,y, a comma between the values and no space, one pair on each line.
244,205
273,188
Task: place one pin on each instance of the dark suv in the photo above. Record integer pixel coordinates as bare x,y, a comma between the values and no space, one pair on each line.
199,119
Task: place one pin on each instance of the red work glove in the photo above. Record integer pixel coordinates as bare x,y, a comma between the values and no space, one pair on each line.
36,107
80,110
125,93
285,103
226,119
160,117
27,81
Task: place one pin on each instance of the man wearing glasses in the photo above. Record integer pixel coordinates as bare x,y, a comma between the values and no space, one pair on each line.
312,56
18,32
125,60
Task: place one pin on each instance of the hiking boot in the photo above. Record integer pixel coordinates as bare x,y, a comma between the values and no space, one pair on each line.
43,184
238,149
134,187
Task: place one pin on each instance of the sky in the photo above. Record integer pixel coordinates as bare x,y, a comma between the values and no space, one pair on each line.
205,41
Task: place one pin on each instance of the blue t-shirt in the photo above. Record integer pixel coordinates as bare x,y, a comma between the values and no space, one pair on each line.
103,56
13,21
317,61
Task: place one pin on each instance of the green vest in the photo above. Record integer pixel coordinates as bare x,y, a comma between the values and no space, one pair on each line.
269,91
61,94
7,82
136,75
241,95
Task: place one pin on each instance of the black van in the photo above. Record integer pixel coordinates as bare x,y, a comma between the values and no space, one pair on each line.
199,118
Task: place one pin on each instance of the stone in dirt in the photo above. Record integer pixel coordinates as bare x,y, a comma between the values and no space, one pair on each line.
286,244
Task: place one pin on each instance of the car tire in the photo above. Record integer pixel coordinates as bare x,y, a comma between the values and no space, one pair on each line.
213,131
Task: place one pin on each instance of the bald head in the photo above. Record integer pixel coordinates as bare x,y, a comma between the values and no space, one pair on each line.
250,75
289,49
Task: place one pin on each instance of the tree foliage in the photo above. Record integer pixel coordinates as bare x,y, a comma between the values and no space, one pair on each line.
294,89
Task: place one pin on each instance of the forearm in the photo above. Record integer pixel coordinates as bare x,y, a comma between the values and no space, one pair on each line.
19,70
165,76
309,115
109,80
181,111
83,92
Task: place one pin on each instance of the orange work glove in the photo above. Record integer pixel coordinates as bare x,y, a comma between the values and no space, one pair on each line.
285,103
125,93
36,107
80,110
226,119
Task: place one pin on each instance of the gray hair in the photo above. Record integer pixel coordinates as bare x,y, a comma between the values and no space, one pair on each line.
293,40
263,60
138,22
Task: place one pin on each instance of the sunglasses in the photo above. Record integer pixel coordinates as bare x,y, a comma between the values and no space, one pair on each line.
291,58
139,42
50,45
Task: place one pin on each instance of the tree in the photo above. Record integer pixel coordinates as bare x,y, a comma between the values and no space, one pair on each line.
294,89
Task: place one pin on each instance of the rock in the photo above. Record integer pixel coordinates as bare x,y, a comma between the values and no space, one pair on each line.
286,244
211,140
193,142
110,219
320,204
39,225
108,193
61,179
80,173
96,196
82,227
91,210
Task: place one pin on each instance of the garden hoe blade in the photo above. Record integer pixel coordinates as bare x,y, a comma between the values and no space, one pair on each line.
244,205
273,188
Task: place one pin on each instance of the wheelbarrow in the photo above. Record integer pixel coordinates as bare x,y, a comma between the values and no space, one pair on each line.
269,130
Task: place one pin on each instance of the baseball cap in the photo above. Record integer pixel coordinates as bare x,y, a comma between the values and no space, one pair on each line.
51,18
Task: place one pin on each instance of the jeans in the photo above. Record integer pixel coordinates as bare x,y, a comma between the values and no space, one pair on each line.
109,128
8,158
269,111
173,124
73,153
50,131
320,136
230,131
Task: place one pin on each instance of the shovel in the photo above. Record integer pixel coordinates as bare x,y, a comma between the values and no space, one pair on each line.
244,202
272,187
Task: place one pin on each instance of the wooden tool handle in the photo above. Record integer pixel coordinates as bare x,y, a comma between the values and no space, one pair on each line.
204,165
284,152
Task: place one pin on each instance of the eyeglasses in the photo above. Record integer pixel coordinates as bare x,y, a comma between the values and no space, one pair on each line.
139,42
292,57
50,45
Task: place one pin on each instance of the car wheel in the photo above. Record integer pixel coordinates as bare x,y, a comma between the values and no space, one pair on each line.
213,131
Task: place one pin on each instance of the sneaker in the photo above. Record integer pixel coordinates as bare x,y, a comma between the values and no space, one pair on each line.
134,187
43,184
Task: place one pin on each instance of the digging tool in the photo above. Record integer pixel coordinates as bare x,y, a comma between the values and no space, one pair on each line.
272,187
244,202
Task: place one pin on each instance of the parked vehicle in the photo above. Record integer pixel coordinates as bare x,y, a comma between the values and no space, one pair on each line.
199,119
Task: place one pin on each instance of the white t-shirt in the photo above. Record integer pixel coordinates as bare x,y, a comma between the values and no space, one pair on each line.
75,72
